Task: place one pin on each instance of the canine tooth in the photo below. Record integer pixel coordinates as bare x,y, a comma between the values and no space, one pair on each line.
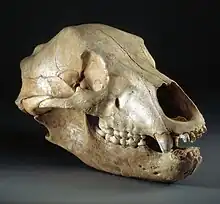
100,132
107,137
204,128
114,140
165,142
123,141
141,143
184,137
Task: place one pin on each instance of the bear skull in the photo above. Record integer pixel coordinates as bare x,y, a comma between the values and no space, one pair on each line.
98,92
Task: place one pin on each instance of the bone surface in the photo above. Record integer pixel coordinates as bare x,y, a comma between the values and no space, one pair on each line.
99,94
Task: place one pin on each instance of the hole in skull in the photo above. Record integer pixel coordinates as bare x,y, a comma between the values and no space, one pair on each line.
93,120
174,102
152,144
117,104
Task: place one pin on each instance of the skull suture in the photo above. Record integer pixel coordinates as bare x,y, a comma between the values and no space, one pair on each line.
97,91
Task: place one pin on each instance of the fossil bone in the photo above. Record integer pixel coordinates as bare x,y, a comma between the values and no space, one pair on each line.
98,92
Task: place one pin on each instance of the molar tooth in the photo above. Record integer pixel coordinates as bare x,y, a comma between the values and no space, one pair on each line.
109,131
100,132
165,142
142,143
114,140
103,124
116,132
123,141
107,137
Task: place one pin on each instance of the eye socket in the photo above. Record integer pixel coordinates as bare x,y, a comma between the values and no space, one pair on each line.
117,104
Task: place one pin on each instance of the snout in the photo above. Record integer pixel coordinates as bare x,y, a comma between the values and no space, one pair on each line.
179,112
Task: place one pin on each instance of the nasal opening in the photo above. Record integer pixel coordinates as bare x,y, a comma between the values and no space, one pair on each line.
174,102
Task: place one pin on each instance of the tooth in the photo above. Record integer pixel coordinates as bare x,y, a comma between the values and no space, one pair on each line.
130,141
184,137
122,134
143,136
135,130
107,137
192,137
141,143
109,131
177,141
137,138
114,140
123,141
100,132
204,128
103,124
165,142
116,132
130,135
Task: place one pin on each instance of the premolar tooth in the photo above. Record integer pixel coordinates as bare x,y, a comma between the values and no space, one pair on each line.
114,140
137,138
100,132
141,143
165,142
130,135
135,130
130,142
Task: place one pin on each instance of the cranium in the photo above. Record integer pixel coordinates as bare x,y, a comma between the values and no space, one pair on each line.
98,92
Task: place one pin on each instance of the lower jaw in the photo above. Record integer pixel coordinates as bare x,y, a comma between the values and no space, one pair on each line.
143,162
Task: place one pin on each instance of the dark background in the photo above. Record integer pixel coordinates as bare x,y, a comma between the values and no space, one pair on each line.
184,41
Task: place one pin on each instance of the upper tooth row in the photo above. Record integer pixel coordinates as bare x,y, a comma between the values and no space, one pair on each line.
123,138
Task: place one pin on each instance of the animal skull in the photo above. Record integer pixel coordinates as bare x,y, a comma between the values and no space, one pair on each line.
97,91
